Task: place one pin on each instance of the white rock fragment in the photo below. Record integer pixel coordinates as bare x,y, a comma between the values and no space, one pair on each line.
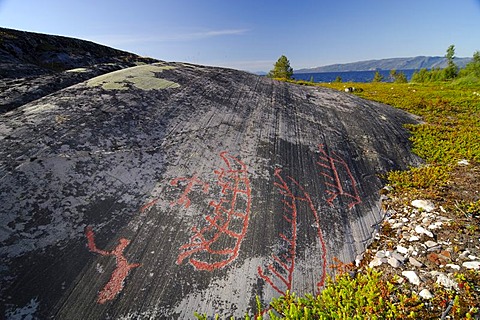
412,277
422,230
446,282
472,265
453,266
430,243
425,294
375,262
413,238
436,225
398,256
402,249
394,262
397,225
463,162
423,204
464,254
415,262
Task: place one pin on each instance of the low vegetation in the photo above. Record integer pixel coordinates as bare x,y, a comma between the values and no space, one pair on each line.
450,132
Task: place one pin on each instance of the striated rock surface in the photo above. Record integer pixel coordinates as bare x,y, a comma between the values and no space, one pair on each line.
163,189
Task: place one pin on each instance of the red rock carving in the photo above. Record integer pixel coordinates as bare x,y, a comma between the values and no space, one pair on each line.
286,262
227,226
184,199
283,266
330,166
148,205
116,282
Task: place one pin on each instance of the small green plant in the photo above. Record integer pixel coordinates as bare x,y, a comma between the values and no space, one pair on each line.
365,296
425,177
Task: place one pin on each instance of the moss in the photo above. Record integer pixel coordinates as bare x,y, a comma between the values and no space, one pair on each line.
142,77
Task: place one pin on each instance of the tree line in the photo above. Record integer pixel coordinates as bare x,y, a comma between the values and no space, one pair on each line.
471,73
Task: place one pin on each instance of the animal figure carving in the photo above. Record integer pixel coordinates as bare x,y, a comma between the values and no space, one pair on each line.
116,282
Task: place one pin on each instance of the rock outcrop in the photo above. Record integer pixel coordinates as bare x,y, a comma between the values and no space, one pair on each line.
168,188
33,65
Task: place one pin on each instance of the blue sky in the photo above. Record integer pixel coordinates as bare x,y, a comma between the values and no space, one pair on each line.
251,35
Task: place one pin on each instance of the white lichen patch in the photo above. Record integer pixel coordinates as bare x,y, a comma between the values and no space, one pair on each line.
78,70
25,313
39,108
142,77
223,295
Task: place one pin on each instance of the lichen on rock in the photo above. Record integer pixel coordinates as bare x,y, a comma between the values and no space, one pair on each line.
142,77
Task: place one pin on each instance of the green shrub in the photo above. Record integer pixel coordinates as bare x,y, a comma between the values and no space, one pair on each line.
419,178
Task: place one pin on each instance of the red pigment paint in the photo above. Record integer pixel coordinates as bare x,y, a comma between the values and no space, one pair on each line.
335,186
283,266
116,282
286,263
235,185
191,182
148,205
319,232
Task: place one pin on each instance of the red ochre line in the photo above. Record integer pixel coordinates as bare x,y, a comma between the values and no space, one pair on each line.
116,282
184,199
148,205
319,233
221,218
336,178
288,262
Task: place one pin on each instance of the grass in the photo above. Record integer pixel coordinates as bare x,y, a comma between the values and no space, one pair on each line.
450,132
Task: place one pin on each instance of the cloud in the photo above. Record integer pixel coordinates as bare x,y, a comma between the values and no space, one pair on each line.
118,40
212,33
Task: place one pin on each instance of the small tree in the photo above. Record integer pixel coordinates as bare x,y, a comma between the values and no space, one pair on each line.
421,76
377,77
281,69
451,70
398,77
473,67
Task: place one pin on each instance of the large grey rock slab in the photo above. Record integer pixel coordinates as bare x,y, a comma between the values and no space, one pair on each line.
160,190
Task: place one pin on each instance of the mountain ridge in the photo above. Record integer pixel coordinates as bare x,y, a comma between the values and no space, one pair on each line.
408,63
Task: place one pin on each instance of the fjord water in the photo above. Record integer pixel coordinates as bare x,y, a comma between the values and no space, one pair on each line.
349,76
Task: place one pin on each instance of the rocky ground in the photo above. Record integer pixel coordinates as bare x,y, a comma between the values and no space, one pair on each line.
431,245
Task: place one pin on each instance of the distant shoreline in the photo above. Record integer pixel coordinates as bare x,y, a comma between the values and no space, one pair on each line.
412,63
350,76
